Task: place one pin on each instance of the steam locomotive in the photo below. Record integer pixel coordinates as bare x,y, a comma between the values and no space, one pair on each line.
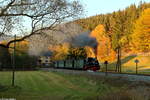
80,64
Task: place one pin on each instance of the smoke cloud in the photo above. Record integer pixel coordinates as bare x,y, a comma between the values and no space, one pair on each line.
40,43
70,33
83,39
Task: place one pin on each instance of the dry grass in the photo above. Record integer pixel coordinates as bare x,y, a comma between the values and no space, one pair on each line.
126,90
139,93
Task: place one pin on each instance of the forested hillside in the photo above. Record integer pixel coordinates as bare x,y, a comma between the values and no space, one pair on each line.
124,27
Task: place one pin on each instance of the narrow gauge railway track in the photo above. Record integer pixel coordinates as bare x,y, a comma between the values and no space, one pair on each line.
130,77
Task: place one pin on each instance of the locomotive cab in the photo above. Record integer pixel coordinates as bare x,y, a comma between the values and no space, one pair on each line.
91,64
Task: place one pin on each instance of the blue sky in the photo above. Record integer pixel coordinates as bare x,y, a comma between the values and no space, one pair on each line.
93,7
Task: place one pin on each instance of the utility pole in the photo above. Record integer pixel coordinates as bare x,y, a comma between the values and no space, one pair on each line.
120,60
13,63
118,64
136,62
106,69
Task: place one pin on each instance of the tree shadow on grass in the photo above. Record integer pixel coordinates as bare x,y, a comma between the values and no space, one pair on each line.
4,88
128,58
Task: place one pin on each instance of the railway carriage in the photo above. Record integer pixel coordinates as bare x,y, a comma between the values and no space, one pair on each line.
80,64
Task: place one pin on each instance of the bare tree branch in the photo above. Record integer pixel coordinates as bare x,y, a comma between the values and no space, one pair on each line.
5,9
42,15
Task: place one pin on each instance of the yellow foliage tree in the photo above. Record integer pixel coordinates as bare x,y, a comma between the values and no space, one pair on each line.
141,33
21,47
104,50
60,51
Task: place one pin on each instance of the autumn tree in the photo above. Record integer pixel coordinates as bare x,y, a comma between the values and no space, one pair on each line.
77,53
141,33
60,52
21,47
104,50
30,17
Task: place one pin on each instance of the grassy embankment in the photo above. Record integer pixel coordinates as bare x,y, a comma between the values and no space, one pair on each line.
38,85
129,66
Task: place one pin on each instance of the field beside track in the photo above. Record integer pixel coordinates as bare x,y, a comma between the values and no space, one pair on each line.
129,66
42,85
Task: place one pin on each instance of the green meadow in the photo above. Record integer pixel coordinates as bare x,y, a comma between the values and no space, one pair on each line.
41,85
